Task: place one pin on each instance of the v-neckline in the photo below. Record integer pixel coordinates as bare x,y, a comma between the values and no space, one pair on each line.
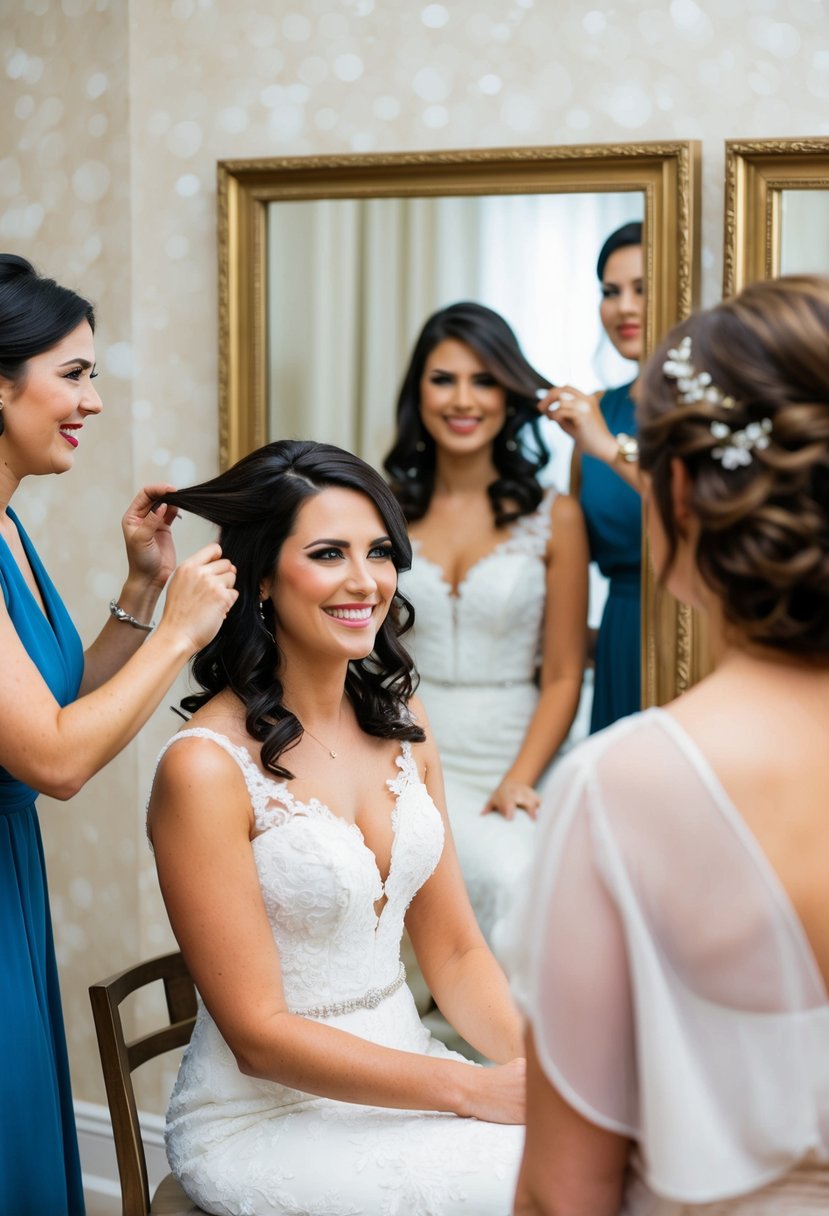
454,590
41,605
315,805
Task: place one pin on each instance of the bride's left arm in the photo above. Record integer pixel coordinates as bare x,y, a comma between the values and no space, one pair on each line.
463,975
564,648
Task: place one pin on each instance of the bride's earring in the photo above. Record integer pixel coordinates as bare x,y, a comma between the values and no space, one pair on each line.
2,420
264,620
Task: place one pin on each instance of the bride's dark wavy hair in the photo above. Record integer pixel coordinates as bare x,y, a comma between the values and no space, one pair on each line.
519,452
255,504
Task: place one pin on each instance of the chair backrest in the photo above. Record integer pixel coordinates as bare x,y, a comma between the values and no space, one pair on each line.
119,1058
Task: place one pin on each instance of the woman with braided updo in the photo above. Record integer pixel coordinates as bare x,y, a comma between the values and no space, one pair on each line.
675,961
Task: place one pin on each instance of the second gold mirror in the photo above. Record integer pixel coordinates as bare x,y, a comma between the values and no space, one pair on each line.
776,209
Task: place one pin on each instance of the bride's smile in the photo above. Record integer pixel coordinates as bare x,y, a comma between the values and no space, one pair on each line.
460,399
335,577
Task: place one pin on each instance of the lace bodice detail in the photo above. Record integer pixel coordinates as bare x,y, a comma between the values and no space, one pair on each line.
321,885
471,635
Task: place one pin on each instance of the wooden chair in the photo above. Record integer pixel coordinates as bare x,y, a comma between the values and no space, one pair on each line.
119,1058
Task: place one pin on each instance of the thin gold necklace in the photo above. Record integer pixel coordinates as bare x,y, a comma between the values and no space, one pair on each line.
331,752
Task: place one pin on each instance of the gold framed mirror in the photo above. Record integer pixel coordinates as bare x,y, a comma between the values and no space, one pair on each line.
776,209
258,233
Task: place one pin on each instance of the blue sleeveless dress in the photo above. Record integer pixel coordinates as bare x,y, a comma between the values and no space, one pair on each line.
40,1172
613,512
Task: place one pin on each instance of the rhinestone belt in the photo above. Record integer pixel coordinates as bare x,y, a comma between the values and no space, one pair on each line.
475,684
369,1000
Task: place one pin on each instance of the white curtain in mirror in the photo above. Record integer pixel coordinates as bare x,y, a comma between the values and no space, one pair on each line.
539,271
350,284
804,232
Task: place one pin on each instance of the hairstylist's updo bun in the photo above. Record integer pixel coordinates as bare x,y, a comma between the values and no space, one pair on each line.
628,234
35,314
761,474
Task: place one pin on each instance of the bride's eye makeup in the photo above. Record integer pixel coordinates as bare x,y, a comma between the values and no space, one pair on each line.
381,550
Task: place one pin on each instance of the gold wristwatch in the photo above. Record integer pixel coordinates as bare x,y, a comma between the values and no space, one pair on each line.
627,448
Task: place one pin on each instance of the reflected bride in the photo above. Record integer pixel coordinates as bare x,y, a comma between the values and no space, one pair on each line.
499,586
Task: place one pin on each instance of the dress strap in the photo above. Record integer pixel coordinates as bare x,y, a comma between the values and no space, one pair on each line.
270,799
240,754
409,772
531,533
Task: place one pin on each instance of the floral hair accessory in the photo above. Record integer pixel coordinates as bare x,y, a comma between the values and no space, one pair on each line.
735,448
737,451
693,387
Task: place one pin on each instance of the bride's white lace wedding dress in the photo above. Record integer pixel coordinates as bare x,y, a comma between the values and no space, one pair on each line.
477,649
241,1146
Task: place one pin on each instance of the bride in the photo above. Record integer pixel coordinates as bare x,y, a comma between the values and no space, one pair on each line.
499,585
297,824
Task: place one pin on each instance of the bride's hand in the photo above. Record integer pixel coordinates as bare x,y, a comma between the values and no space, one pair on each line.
499,1094
511,797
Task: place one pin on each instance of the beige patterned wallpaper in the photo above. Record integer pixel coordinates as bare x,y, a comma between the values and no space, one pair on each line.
115,113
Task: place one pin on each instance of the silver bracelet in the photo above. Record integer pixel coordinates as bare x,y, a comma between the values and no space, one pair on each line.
118,612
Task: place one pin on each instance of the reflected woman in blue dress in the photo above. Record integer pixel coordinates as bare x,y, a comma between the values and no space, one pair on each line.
605,476
64,713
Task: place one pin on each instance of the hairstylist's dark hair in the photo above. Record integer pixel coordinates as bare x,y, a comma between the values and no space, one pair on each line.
255,504
764,526
628,234
35,314
411,462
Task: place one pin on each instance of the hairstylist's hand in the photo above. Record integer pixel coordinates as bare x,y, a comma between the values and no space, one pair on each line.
578,414
511,797
151,551
200,595
499,1094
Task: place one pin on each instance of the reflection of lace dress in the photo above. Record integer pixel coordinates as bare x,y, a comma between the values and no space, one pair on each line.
477,652
673,994
242,1146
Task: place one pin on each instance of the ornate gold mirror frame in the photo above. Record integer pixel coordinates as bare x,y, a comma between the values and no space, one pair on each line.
756,174
667,175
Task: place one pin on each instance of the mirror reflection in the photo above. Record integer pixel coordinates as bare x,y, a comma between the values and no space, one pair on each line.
351,282
605,478
499,585
804,232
